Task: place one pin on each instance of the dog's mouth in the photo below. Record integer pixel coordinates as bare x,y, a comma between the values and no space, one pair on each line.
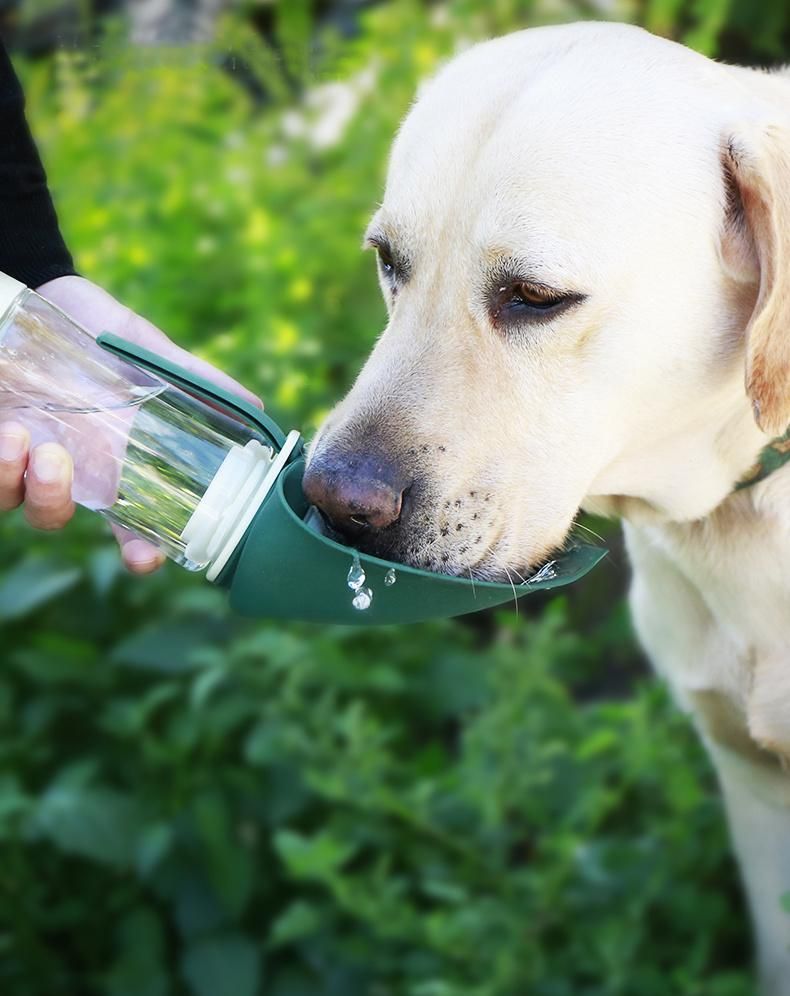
434,536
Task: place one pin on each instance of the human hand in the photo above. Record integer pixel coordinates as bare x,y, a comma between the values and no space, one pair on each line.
41,479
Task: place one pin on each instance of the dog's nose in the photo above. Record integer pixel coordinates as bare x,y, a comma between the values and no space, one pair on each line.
356,492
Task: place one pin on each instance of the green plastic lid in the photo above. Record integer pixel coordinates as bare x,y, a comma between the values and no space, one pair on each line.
284,569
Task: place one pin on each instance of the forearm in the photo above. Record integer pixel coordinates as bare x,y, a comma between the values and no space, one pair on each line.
31,245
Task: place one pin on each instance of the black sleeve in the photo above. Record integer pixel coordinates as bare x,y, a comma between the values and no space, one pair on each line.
31,247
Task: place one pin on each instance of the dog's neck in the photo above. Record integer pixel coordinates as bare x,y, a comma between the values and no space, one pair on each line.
685,475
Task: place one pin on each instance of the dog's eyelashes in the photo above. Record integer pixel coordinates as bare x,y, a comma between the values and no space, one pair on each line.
529,297
521,295
522,301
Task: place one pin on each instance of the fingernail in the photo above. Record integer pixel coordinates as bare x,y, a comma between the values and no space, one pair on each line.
50,464
13,442
141,558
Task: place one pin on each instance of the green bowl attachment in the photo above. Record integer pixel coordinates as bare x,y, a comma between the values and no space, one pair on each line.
284,569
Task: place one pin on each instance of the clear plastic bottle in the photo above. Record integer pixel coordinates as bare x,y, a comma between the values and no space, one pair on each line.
147,455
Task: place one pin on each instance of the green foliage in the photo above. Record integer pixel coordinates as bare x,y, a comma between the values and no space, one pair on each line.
347,812
194,804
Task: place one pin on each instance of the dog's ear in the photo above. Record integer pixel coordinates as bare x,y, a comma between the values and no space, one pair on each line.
756,248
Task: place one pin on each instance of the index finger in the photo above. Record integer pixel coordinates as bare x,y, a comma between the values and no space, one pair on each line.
48,503
14,444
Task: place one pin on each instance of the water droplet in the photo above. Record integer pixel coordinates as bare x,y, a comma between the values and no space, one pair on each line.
362,599
390,577
356,575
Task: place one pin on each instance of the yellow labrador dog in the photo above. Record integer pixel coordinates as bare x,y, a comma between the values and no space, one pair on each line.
584,246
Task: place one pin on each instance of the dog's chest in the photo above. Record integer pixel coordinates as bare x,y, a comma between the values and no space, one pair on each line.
711,604
741,573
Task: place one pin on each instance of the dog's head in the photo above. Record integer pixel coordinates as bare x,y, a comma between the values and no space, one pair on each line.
582,242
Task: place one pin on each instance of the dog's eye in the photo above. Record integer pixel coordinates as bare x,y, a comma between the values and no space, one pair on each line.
393,266
386,262
521,300
523,295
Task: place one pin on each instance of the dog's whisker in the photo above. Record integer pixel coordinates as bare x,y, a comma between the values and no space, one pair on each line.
515,596
586,529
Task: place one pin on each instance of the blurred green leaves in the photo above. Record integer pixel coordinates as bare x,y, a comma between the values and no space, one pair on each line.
326,809
32,583
225,963
96,823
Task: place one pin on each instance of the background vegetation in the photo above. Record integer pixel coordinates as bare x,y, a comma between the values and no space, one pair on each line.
194,804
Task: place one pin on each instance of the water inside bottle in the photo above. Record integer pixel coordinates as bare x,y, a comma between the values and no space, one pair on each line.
175,447
50,363
96,408
97,436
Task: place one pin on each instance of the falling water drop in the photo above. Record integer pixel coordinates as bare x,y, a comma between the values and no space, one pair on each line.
390,577
362,599
356,575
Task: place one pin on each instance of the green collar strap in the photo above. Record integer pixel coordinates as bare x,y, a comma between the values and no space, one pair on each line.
773,456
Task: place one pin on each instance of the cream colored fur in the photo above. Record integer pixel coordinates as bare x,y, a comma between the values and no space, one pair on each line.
656,182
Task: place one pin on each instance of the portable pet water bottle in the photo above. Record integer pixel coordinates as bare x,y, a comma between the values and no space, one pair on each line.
207,477
148,456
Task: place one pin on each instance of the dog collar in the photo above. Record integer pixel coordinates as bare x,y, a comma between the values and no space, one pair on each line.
773,456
